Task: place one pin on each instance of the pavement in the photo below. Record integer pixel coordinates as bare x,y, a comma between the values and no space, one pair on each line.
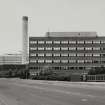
38,92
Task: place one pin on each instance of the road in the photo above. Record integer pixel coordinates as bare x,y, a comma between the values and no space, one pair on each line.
30,92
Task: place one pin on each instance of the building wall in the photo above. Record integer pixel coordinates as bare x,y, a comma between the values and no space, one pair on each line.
10,59
74,54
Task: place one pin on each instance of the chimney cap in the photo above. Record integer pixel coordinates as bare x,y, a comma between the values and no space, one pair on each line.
25,18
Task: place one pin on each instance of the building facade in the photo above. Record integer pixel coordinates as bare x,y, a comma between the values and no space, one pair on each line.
11,59
69,52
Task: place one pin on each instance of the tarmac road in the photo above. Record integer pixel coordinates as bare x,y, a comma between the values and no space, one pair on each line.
32,92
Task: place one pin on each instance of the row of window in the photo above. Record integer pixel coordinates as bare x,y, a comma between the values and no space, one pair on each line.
66,54
65,61
66,48
62,68
67,42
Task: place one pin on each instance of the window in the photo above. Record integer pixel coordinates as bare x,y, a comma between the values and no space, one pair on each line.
40,48
56,61
95,61
80,42
56,48
48,48
88,48
72,61
48,54
64,48
72,54
56,68
96,42
96,55
41,61
64,42
56,54
33,48
72,42
80,61
72,48
64,61
80,54
32,54
41,54
33,42
64,54
33,61
48,61
48,42
88,42
88,61
96,48
56,42
88,68
103,48
72,68
88,54
102,41
81,68
103,55
103,61
80,48
40,42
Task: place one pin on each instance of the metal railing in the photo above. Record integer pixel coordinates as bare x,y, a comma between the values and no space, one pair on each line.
96,77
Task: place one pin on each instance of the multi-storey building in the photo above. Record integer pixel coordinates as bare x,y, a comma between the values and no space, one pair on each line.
11,59
66,52
11,63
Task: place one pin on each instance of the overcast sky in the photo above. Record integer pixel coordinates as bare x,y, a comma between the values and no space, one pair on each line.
44,15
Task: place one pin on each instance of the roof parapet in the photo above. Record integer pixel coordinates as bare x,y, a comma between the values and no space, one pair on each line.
71,34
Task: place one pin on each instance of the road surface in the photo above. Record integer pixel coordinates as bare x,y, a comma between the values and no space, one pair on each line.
30,92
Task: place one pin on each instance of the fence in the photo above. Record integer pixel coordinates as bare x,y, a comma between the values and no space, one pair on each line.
95,78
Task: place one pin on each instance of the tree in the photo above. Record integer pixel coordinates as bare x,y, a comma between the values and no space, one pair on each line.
97,70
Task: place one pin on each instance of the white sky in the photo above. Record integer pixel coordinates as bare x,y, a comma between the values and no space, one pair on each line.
44,15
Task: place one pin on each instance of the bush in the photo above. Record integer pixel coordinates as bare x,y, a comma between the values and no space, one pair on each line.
98,70
51,76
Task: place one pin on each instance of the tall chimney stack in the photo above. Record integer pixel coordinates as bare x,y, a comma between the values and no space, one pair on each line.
25,40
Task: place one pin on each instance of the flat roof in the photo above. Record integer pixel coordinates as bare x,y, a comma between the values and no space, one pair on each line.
71,34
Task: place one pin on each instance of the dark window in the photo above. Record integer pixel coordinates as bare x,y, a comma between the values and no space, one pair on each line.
72,68
103,48
81,68
103,61
95,61
56,68
103,55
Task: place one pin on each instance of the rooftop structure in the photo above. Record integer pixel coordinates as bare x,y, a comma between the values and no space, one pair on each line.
71,34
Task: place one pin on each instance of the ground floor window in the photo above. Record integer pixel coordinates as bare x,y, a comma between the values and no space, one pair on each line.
60,68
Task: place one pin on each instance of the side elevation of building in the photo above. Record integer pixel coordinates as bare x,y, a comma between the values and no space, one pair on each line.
66,52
